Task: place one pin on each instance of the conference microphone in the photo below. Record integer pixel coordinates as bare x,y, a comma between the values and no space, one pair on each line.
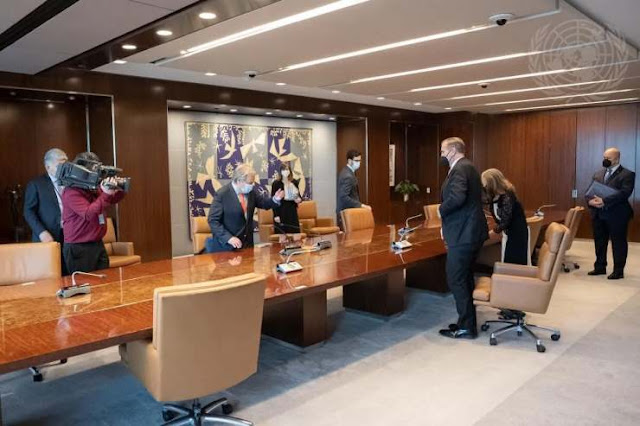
404,233
75,289
539,212
290,244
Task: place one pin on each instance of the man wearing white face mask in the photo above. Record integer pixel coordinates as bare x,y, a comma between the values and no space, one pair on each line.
231,213
348,190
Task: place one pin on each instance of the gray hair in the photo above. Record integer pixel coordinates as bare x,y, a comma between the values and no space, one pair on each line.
54,154
241,173
456,143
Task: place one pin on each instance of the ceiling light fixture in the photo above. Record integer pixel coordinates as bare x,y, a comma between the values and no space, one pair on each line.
573,95
467,63
530,89
210,74
380,98
571,105
299,115
270,26
513,77
417,103
332,118
233,110
335,91
207,16
129,46
268,113
119,61
186,106
281,84
164,33
447,108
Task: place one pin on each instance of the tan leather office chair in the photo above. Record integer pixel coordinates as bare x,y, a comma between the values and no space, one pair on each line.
535,226
520,288
311,224
120,253
572,221
432,215
20,263
206,338
200,231
357,219
266,228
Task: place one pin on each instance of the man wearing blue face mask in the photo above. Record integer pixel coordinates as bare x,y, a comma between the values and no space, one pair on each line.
348,190
231,213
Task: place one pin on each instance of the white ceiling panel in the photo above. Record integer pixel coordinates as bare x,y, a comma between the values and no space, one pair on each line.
11,11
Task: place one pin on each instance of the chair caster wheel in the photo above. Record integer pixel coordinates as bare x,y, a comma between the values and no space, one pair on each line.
566,269
541,348
63,361
555,337
576,266
484,327
167,415
38,377
519,333
493,341
227,409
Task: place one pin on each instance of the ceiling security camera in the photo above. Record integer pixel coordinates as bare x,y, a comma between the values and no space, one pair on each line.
484,85
501,19
250,75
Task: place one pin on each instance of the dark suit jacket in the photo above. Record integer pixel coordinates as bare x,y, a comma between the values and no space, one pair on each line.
226,218
348,192
463,221
616,206
41,209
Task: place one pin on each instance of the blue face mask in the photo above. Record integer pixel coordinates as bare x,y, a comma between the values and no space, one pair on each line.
247,188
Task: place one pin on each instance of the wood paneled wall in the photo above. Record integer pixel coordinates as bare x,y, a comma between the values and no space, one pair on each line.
27,131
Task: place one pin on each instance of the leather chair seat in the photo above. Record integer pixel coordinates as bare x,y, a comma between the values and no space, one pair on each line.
118,261
482,291
120,253
324,230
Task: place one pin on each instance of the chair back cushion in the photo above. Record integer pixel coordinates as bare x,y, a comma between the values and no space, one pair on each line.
20,263
110,236
432,211
575,224
207,335
200,231
552,251
307,210
535,226
265,217
356,219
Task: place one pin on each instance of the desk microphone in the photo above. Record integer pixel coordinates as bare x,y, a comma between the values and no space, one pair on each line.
74,288
539,212
290,245
403,243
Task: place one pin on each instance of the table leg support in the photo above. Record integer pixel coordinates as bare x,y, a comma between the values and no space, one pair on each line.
383,295
429,275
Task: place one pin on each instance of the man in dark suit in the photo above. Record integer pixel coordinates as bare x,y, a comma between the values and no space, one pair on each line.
464,230
43,202
231,212
348,190
610,216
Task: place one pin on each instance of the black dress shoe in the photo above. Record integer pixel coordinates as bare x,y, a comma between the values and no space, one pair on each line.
453,327
460,333
597,272
616,275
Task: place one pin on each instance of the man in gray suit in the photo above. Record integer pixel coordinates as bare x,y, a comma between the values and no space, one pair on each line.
464,229
348,191
231,212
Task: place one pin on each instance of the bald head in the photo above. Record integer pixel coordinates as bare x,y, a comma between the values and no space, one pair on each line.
613,155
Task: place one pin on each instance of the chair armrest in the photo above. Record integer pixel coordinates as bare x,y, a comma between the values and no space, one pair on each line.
520,293
515,270
122,248
324,221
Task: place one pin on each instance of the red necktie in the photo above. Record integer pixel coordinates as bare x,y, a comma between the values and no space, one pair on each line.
243,203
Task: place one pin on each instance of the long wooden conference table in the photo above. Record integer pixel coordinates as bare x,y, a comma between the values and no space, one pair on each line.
37,327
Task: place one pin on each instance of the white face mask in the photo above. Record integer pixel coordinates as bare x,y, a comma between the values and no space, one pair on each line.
355,165
285,173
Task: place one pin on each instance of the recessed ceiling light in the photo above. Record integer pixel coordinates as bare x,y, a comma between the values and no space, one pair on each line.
447,108
571,105
233,110
279,23
210,74
164,33
50,105
332,118
268,113
49,100
12,93
299,115
207,15
71,98
573,95
281,84
183,52
119,61
335,91
380,98
129,46
417,103
186,106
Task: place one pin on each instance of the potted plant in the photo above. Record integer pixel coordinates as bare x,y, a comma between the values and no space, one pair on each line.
405,188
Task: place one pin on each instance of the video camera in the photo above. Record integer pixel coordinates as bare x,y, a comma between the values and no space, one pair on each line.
90,176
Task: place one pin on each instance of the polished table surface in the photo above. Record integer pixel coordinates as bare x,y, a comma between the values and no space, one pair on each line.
37,327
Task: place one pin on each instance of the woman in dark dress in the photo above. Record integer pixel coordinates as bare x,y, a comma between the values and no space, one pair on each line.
286,216
509,217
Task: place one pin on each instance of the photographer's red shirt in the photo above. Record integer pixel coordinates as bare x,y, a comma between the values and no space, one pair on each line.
81,214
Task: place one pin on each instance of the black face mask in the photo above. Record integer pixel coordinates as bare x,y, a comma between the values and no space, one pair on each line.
444,161
606,163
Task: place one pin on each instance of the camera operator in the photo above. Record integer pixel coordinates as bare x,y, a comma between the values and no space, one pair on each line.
84,220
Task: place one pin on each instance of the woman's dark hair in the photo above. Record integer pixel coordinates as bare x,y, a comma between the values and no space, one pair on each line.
283,166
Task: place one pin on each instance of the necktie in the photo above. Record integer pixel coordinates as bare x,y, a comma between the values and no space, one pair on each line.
243,203
607,175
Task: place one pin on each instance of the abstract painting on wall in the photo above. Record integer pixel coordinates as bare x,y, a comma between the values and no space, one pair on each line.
215,149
